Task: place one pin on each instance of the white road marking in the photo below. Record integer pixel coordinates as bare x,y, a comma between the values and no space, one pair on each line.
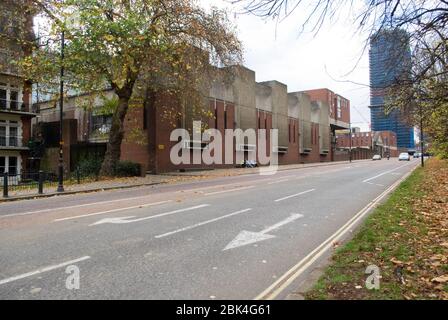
124,220
202,223
42,270
245,238
386,172
113,210
278,181
285,281
71,207
231,190
295,195
376,184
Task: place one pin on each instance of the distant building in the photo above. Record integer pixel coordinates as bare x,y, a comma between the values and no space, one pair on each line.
16,33
390,60
380,142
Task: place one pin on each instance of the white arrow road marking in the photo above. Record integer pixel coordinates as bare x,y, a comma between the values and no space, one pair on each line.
247,237
42,270
202,223
123,220
295,195
114,210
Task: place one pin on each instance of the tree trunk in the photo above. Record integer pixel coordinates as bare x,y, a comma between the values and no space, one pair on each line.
116,134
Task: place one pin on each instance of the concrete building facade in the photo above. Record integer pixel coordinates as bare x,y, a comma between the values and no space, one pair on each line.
305,124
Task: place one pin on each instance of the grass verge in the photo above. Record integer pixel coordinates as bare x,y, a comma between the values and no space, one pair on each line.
406,238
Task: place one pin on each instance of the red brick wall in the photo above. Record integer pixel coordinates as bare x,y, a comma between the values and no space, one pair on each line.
328,96
292,156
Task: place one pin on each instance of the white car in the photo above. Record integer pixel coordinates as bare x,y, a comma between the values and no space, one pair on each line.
376,157
404,157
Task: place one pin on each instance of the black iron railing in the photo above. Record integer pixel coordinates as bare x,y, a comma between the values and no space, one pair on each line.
37,182
13,105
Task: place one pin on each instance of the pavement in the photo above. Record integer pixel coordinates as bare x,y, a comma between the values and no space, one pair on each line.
238,237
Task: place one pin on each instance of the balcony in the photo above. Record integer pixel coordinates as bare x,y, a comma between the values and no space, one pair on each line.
11,143
12,105
15,107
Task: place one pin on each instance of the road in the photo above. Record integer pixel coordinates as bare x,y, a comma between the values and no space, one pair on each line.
240,237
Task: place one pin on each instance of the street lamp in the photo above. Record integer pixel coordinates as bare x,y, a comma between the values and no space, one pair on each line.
350,138
422,144
61,118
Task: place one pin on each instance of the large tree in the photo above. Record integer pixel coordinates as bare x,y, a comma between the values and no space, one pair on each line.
127,45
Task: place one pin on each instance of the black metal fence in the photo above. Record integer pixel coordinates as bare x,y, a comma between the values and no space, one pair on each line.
38,181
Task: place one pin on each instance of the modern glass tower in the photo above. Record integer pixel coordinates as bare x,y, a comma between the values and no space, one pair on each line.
390,59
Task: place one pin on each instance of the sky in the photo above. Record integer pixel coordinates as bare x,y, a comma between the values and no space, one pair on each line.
335,58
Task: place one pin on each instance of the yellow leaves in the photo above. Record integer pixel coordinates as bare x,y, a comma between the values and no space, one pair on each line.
441,279
109,37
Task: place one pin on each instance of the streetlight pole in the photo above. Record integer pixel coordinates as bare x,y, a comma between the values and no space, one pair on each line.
350,138
61,117
422,143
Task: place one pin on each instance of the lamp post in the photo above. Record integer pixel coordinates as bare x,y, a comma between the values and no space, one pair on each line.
61,118
350,138
422,143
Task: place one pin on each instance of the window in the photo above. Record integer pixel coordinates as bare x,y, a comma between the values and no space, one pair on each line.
2,164
339,108
225,118
14,100
13,137
295,132
101,124
10,96
289,132
9,133
2,98
216,118
2,135
12,166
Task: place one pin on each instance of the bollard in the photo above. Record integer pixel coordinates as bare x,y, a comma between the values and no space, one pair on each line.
41,182
5,185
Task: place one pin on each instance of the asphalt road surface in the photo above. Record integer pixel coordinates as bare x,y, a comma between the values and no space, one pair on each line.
240,237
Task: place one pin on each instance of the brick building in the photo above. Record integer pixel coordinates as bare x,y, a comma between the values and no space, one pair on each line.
16,35
380,142
305,124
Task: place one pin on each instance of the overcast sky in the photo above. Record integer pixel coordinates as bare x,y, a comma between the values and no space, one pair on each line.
332,59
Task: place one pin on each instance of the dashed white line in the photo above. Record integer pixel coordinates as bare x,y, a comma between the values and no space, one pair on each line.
202,223
231,190
278,181
386,172
42,270
113,210
295,195
70,207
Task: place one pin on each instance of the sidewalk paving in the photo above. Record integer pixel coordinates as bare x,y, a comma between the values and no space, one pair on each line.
166,178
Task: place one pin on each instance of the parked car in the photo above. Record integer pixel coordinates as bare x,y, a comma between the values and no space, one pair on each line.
404,157
376,157
417,155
